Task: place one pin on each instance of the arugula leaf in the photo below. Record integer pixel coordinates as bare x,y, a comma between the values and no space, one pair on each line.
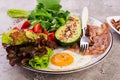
46,24
50,19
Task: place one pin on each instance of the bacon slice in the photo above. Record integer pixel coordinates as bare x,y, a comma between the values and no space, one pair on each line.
99,40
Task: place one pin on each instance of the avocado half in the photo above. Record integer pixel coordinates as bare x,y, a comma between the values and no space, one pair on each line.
70,33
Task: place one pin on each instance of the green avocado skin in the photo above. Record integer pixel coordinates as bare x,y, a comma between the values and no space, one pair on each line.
63,44
66,44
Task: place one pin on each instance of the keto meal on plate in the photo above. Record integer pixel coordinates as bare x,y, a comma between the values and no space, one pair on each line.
116,24
48,39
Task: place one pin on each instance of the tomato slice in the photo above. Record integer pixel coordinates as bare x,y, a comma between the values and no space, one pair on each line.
25,25
37,28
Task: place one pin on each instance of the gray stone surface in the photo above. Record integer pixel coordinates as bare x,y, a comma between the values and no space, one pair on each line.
107,69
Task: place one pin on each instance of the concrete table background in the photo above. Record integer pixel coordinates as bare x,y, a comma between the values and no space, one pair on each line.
107,69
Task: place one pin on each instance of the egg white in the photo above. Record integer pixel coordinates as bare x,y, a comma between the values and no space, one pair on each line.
78,62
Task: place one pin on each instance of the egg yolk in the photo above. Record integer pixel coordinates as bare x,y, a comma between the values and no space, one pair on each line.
62,59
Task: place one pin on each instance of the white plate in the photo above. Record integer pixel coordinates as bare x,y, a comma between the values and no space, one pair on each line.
93,61
116,18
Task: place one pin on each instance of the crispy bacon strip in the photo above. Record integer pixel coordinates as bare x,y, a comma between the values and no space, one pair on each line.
99,39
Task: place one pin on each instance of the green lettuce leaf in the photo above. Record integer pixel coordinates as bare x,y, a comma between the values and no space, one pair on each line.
50,19
40,62
31,35
51,4
17,13
18,37
6,37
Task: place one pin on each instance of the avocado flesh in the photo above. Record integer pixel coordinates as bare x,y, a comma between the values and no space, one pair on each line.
69,33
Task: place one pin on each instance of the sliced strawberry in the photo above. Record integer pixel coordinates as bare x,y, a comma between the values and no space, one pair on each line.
45,32
15,28
37,28
51,36
25,25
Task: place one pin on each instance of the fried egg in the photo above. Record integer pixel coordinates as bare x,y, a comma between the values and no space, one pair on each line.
68,60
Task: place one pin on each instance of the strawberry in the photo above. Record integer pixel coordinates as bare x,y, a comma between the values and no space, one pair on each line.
51,36
37,28
25,25
15,28
45,32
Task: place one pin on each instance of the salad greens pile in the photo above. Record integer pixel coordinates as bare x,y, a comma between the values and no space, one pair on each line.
46,12
48,15
27,48
50,19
